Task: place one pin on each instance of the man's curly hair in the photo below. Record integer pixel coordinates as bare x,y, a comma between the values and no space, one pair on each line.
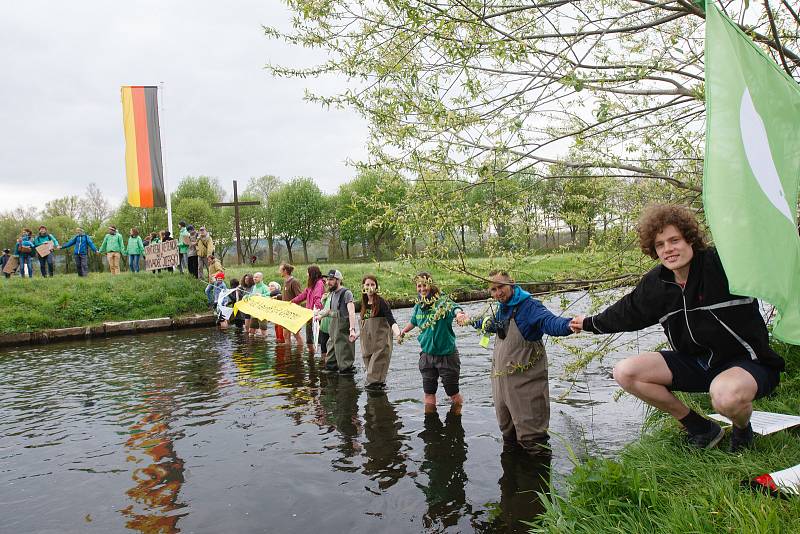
656,217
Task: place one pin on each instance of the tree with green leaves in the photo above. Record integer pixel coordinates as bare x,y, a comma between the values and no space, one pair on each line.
261,188
298,208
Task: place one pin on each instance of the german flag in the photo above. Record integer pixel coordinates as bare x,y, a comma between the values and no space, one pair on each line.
143,146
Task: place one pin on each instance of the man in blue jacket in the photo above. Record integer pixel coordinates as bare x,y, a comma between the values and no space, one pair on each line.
520,387
82,244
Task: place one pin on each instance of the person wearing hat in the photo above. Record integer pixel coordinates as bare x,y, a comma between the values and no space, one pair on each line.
216,286
183,246
342,330
46,262
4,260
113,246
82,243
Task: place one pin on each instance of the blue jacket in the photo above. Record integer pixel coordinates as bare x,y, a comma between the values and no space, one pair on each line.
532,318
81,242
26,242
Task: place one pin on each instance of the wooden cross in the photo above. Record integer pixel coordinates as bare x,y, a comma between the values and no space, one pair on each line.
236,205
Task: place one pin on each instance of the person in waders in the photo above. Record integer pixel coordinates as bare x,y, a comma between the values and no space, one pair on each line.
433,314
342,311
520,387
377,329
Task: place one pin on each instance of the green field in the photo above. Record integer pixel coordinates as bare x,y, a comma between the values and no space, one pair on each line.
658,484
34,304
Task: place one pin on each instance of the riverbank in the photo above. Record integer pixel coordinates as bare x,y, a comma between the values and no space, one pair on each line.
38,305
659,484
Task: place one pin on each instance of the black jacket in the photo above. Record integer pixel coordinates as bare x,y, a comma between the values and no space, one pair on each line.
702,320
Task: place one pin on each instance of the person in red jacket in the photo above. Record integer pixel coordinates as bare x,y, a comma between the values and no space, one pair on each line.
719,342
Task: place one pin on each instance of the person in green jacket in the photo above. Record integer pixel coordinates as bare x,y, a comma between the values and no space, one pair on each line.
46,262
134,250
183,246
113,246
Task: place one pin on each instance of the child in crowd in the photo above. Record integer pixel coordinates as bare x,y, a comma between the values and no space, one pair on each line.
245,290
4,260
233,298
433,314
275,292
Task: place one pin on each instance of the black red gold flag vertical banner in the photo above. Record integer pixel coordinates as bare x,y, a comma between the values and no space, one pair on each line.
143,166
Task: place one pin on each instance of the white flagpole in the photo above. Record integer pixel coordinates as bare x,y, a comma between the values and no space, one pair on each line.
163,159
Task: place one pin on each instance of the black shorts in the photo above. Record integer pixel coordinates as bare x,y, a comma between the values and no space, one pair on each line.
432,367
692,375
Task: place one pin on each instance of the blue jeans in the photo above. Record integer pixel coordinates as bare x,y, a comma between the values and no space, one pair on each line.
82,264
210,294
46,264
25,259
183,263
133,262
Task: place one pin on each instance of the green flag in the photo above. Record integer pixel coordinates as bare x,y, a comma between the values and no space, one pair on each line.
752,168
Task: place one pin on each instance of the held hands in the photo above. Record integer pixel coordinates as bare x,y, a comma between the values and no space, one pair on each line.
400,338
353,335
576,324
462,319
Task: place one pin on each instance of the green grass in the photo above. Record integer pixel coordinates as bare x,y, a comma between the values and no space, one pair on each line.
659,484
33,304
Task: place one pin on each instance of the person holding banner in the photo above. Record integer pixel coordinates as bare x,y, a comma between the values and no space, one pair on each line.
113,246
312,296
166,236
291,288
24,250
134,250
82,243
46,259
377,327
342,311
257,326
719,342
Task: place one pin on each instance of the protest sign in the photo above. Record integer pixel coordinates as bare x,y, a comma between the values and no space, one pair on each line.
11,266
44,249
288,315
161,255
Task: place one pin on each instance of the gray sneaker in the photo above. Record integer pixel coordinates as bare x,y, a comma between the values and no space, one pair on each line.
708,439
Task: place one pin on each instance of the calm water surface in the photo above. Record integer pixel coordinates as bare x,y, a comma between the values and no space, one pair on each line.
203,431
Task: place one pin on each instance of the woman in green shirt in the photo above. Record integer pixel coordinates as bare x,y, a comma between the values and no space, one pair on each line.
433,315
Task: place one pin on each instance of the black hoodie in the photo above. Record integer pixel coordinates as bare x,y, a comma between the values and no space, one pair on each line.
702,320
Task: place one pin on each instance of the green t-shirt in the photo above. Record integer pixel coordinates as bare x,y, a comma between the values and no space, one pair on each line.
438,338
325,322
261,289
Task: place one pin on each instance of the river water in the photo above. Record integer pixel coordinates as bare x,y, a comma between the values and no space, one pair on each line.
207,431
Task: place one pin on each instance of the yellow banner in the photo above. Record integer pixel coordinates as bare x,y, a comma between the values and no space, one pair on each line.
288,315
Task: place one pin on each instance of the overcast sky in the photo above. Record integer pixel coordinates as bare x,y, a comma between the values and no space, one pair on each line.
61,118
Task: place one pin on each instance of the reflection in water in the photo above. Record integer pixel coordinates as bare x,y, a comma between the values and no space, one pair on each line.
339,402
385,461
445,453
157,485
524,477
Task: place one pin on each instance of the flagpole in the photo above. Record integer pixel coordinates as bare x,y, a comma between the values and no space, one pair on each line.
163,160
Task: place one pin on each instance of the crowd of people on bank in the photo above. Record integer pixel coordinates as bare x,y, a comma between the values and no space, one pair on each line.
195,251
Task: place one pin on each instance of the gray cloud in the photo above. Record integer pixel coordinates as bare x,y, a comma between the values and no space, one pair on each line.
64,63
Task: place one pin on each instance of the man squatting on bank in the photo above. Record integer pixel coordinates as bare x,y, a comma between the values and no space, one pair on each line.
520,388
719,341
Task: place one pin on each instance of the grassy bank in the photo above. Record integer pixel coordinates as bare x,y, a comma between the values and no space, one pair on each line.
659,484
33,304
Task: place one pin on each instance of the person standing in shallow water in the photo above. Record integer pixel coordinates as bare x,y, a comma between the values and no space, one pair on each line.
342,311
433,315
520,388
377,327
